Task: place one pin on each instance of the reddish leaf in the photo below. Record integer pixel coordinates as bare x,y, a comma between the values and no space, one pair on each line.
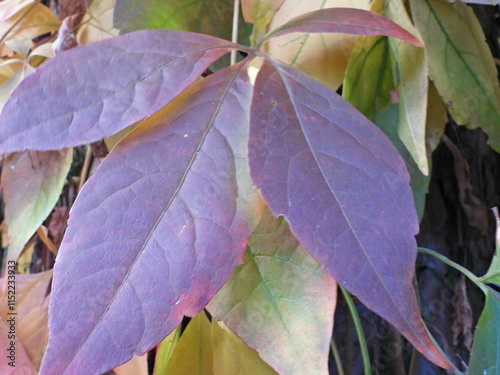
156,231
344,190
94,91
344,20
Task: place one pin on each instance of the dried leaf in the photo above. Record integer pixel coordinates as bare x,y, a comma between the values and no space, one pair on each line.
476,211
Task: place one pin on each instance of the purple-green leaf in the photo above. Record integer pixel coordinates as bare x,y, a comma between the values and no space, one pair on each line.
344,20
344,190
94,91
156,231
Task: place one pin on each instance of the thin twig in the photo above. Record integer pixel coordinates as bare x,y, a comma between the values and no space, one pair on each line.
234,37
85,168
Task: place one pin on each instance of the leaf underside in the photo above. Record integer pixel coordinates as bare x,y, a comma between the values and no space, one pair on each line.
161,234
344,190
85,96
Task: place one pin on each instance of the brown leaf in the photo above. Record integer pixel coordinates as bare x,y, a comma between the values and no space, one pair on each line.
462,324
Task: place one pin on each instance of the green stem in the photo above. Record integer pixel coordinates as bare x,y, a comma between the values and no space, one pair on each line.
359,330
336,356
458,267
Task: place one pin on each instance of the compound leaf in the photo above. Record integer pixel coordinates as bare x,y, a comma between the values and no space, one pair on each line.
156,231
343,188
94,91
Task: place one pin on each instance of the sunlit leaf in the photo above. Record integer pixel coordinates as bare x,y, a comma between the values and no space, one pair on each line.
260,13
175,207
232,356
82,96
18,71
164,351
32,20
437,117
209,348
410,72
97,23
485,354
32,182
193,354
278,294
322,56
461,64
344,190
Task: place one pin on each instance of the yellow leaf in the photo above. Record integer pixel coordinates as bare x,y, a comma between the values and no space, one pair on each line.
97,23
410,74
460,63
323,56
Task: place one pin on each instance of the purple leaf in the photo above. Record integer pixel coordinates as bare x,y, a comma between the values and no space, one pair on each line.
156,232
347,21
344,190
94,91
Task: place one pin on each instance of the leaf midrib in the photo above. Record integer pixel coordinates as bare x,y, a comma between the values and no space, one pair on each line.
164,211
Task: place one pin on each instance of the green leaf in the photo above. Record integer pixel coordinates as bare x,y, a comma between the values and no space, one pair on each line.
278,294
211,349
212,17
260,13
32,182
368,79
387,120
164,351
485,355
193,354
232,356
460,63
493,274
410,72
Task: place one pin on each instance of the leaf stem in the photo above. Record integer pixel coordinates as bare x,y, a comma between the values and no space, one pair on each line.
336,356
456,266
359,330
234,37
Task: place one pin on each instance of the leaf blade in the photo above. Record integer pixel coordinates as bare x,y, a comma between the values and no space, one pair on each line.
189,210
344,20
89,102
303,132
464,71
272,295
32,183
